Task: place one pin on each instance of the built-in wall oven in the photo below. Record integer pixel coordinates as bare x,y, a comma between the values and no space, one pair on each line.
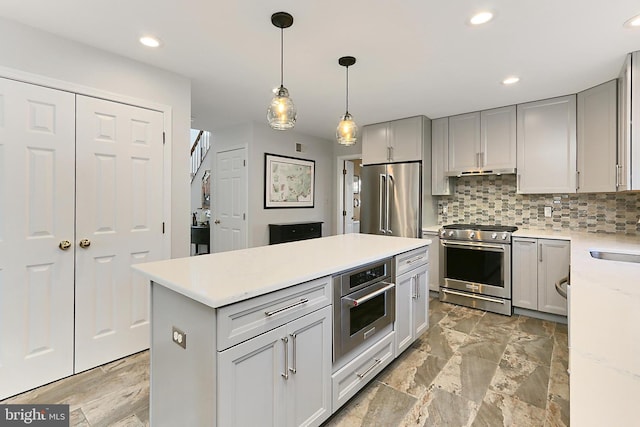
475,266
363,306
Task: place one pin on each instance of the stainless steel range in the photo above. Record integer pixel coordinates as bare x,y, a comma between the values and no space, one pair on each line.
475,266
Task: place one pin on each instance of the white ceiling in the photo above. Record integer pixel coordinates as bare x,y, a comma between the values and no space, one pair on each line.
413,56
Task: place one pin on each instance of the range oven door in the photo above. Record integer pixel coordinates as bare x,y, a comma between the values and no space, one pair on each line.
482,268
361,315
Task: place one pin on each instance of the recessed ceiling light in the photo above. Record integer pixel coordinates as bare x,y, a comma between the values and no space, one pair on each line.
511,80
150,41
481,18
633,22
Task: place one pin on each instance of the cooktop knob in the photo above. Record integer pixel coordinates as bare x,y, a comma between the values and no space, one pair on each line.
504,236
443,233
450,233
494,235
472,234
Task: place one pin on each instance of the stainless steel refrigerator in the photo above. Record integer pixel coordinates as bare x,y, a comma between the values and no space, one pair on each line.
391,199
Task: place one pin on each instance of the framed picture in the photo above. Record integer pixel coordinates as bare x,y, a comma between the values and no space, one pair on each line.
288,182
206,190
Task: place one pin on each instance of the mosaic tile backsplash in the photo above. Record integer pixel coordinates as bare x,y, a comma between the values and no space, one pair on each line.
493,200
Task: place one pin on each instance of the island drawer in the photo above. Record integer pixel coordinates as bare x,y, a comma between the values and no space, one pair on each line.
246,319
350,379
409,260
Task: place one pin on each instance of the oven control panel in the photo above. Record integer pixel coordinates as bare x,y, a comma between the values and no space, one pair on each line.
476,235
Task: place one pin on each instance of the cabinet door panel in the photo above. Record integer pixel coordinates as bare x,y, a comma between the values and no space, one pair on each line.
440,185
251,385
554,265
546,148
464,142
525,273
597,138
434,260
404,311
308,389
375,144
498,138
406,139
421,303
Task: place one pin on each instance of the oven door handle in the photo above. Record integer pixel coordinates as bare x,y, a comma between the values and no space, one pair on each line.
361,300
472,245
474,296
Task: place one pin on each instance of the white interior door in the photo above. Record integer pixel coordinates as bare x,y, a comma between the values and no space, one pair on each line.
230,201
119,158
36,214
348,197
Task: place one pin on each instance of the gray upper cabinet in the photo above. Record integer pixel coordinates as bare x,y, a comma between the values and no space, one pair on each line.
546,146
440,184
484,141
498,139
629,111
597,123
394,141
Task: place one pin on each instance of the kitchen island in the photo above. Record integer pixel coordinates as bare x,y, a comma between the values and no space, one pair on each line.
259,317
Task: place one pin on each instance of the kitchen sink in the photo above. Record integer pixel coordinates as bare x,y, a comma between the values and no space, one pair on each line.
615,256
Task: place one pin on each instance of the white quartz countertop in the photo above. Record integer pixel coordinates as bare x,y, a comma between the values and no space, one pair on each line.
228,277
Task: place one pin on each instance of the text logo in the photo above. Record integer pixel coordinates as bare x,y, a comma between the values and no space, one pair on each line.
34,415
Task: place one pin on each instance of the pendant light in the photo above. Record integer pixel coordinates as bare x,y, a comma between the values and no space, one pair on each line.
281,114
347,130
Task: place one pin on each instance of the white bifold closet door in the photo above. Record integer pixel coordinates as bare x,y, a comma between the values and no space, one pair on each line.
37,127
80,202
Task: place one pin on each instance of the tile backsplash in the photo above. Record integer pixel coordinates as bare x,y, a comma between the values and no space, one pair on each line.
493,200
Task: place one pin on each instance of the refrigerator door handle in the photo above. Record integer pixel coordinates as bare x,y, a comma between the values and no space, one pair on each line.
390,196
382,188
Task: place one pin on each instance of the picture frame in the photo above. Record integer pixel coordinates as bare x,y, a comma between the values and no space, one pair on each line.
289,182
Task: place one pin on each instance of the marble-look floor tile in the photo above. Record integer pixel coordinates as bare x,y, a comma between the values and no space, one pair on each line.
483,348
440,342
557,412
413,372
461,320
530,325
526,380
501,410
442,408
535,348
435,317
466,376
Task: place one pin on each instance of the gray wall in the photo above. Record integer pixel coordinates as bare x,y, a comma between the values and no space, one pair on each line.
33,51
259,139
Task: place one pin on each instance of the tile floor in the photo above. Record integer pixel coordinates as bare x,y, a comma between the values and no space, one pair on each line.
470,368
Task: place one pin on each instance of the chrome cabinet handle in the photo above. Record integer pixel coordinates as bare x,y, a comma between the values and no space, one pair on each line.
417,286
295,304
364,374
64,245
84,243
471,245
540,249
361,300
293,345
382,187
390,195
285,375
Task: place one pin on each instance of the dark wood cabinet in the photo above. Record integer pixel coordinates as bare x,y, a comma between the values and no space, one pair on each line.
289,232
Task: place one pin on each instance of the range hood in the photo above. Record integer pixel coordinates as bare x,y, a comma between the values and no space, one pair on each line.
479,172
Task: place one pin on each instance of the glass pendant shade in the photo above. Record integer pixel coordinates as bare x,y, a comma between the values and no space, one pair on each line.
282,114
347,130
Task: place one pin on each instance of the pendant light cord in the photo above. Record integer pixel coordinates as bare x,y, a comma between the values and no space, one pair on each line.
347,106
281,57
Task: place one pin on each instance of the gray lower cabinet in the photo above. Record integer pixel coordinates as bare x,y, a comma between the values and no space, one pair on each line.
434,260
412,298
279,378
537,265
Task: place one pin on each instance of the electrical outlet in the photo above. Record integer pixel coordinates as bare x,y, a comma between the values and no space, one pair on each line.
547,211
179,337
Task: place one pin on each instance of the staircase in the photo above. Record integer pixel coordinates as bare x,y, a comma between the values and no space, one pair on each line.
199,150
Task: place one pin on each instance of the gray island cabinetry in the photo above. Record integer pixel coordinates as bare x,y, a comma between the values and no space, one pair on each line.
245,337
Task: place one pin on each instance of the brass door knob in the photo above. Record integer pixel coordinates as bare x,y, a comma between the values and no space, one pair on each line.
64,245
85,243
